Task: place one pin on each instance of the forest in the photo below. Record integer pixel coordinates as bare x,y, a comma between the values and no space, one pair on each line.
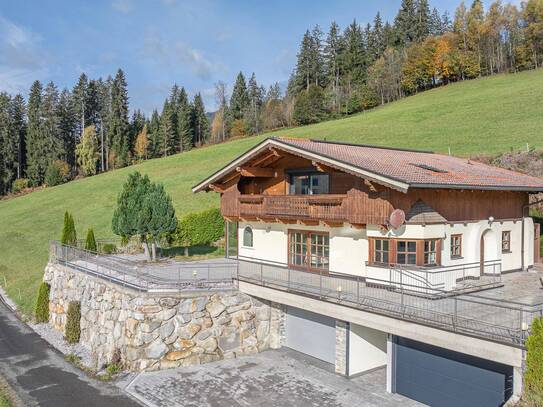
53,135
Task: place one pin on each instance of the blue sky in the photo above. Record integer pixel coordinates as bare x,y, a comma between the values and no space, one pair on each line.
159,42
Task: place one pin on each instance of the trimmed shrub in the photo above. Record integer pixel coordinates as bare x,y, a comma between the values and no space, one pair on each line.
533,378
41,312
69,235
19,185
72,332
200,228
109,248
90,242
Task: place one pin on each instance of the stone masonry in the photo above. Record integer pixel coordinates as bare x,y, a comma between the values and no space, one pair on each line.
158,331
342,332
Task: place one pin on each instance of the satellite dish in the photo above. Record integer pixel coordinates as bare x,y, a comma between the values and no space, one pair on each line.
397,218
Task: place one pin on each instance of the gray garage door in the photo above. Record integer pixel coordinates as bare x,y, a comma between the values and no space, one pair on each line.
312,334
439,377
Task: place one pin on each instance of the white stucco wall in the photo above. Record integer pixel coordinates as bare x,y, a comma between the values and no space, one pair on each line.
367,349
349,246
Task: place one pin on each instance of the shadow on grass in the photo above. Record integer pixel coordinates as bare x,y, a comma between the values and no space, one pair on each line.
194,252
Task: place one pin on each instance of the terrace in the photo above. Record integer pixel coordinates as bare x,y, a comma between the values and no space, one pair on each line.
502,314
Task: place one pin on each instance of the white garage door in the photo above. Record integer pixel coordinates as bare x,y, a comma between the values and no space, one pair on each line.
312,334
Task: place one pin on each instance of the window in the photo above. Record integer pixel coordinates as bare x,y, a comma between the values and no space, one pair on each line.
309,184
380,253
430,252
456,246
406,252
248,237
506,241
310,250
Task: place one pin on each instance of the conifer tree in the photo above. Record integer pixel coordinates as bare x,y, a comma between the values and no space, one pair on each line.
90,241
331,59
80,102
200,120
167,131
87,151
69,235
154,135
118,121
6,155
252,112
67,125
378,36
185,128
35,171
239,99
423,26
18,112
406,23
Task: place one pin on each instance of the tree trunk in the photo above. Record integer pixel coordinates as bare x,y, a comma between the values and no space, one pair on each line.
186,248
153,249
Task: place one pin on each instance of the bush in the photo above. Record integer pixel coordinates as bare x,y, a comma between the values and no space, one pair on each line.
72,332
533,378
90,242
69,235
19,185
200,228
109,248
58,172
41,312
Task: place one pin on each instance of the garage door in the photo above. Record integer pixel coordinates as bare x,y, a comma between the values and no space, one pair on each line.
439,377
312,334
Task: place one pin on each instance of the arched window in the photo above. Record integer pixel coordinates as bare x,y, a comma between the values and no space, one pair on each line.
248,237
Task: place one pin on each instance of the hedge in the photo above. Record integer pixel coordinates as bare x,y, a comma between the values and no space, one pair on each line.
72,332
41,312
533,378
200,228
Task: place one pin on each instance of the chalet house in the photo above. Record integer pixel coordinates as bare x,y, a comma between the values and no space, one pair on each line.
376,218
360,210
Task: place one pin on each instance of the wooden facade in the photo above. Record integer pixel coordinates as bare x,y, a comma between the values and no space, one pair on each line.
260,190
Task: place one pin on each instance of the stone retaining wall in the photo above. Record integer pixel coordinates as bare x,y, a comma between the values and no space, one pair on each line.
152,331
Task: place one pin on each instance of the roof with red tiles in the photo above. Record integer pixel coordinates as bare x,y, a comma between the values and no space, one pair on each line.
420,168
398,168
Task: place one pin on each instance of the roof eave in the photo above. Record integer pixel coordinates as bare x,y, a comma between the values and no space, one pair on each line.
378,178
515,188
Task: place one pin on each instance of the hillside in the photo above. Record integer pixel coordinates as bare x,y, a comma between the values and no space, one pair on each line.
483,116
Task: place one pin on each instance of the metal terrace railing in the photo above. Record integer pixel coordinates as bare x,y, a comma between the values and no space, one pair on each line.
498,320
148,277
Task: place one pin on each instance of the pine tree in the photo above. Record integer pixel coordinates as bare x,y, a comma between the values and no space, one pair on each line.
136,126
67,125
167,131
185,128
35,169
353,56
423,20
51,136
8,152
80,102
104,99
154,135
18,116
239,101
406,24
252,113
200,121
118,121
378,36
331,53
436,27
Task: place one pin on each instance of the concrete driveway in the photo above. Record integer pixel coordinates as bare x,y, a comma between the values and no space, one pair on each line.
273,378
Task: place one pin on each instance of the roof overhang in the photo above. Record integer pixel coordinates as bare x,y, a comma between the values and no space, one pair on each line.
298,151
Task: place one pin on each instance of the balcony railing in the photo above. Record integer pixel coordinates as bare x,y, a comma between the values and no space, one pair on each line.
493,319
356,207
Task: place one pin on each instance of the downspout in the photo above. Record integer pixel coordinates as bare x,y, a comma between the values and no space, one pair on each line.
523,227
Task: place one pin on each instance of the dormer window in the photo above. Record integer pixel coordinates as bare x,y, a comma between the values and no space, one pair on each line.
309,183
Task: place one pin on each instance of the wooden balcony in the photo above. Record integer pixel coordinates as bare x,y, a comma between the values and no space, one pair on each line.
355,207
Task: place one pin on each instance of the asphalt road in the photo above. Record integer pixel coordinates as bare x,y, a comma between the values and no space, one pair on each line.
40,375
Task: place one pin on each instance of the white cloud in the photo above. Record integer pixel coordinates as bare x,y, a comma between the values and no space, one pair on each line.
178,53
123,6
22,58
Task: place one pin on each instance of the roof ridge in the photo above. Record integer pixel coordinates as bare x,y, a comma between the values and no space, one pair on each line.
342,143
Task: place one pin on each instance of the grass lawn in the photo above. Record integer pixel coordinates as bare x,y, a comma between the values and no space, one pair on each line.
487,116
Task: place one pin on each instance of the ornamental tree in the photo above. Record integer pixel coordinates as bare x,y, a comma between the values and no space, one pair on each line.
144,209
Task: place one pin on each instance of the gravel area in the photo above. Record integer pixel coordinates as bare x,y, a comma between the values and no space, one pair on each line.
56,339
